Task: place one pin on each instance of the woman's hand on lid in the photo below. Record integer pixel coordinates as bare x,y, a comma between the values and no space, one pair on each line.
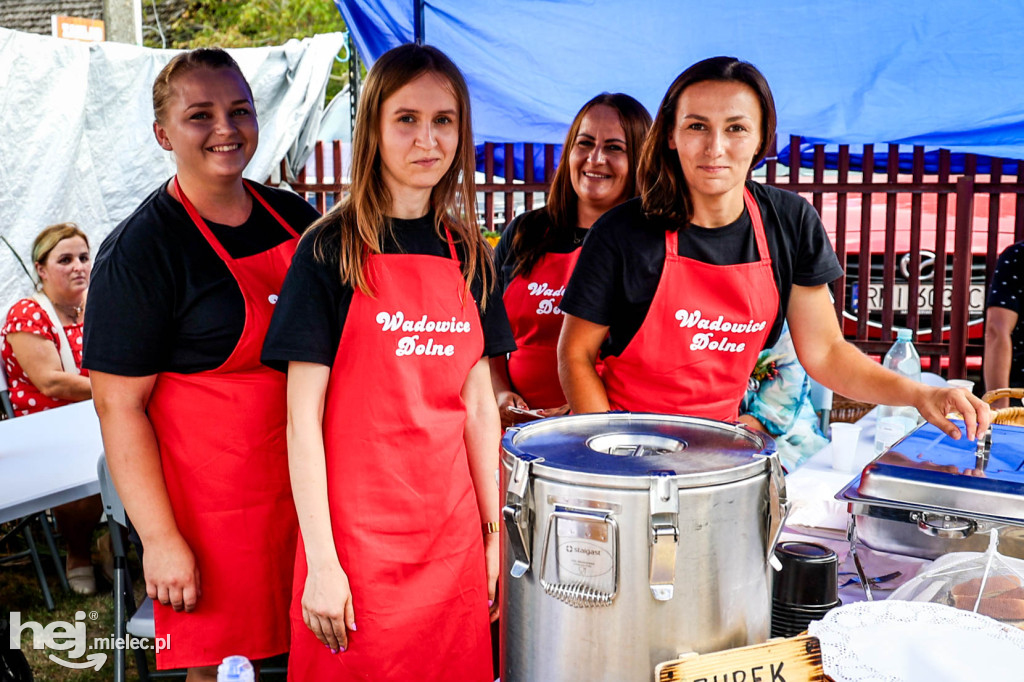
172,575
935,403
492,557
327,606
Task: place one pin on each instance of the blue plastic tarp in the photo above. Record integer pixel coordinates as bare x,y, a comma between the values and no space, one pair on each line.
940,73
518,156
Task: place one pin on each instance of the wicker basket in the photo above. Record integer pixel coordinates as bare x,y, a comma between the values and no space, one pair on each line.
1014,416
846,410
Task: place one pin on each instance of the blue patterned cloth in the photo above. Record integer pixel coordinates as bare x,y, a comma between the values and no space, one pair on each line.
783,405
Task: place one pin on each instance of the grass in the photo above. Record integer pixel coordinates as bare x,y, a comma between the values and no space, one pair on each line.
20,592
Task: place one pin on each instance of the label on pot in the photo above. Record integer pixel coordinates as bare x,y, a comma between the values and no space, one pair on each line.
583,559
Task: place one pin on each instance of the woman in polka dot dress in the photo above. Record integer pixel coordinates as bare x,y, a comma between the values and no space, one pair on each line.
42,356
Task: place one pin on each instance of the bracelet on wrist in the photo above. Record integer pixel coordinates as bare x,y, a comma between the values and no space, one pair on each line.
491,527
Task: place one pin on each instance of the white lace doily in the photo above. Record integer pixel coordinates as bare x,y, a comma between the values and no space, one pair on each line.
899,641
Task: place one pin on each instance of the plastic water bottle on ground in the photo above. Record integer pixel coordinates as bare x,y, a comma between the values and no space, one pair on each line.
895,422
235,669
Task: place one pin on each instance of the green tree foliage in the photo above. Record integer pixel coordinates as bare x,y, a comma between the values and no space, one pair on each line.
246,23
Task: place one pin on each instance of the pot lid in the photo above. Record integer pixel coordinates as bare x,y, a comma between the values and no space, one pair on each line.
930,470
625,449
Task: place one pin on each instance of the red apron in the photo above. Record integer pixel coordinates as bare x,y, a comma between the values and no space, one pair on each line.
532,303
403,507
222,446
700,340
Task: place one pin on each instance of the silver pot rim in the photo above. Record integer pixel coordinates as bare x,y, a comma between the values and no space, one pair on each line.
623,450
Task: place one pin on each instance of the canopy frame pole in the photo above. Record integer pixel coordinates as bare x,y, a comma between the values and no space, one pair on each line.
354,84
419,23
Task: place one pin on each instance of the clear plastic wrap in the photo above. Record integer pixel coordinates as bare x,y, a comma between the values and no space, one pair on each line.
982,582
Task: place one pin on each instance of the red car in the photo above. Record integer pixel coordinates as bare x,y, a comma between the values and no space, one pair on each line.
903,261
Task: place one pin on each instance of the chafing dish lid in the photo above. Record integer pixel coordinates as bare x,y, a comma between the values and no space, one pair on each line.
625,449
928,469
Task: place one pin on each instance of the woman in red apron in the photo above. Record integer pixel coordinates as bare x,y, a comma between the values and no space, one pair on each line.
195,432
384,324
680,289
538,250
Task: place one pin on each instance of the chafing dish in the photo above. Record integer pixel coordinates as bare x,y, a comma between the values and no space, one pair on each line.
928,494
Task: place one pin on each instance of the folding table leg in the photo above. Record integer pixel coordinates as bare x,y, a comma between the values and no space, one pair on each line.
58,565
142,665
34,553
120,617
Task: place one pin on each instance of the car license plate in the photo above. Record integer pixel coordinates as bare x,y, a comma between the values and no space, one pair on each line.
925,298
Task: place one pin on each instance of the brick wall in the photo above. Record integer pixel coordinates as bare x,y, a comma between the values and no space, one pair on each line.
33,16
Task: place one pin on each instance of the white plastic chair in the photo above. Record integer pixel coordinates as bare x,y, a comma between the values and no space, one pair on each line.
138,622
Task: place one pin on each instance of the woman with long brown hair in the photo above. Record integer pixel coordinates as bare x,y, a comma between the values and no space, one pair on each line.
538,250
681,288
385,324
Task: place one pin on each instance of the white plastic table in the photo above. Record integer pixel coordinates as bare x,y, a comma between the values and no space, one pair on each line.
817,516
48,458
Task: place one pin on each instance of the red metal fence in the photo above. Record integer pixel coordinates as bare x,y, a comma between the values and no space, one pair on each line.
918,245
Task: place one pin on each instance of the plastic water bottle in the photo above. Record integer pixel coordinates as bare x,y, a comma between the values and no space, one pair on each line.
895,422
235,669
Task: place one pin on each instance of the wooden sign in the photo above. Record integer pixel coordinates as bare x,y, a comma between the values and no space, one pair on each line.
794,659
77,28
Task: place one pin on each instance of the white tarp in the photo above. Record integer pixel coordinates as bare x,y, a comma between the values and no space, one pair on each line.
76,129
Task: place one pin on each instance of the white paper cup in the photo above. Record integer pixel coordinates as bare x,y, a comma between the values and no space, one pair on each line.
844,446
961,383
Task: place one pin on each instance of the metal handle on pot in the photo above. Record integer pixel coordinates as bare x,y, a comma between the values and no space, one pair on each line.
778,506
578,595
983,450
944,525
515,514
592,527
664,534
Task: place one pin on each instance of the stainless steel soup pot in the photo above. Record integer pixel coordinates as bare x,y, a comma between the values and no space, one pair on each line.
630,539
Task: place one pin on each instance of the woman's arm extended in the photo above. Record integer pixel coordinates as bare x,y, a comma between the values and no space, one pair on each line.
39,358
326,599
834,362
578,346
482,436
133,456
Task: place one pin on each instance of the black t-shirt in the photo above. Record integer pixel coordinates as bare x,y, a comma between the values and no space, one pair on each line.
311,311
162,300
623,255
1007,291
505,256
